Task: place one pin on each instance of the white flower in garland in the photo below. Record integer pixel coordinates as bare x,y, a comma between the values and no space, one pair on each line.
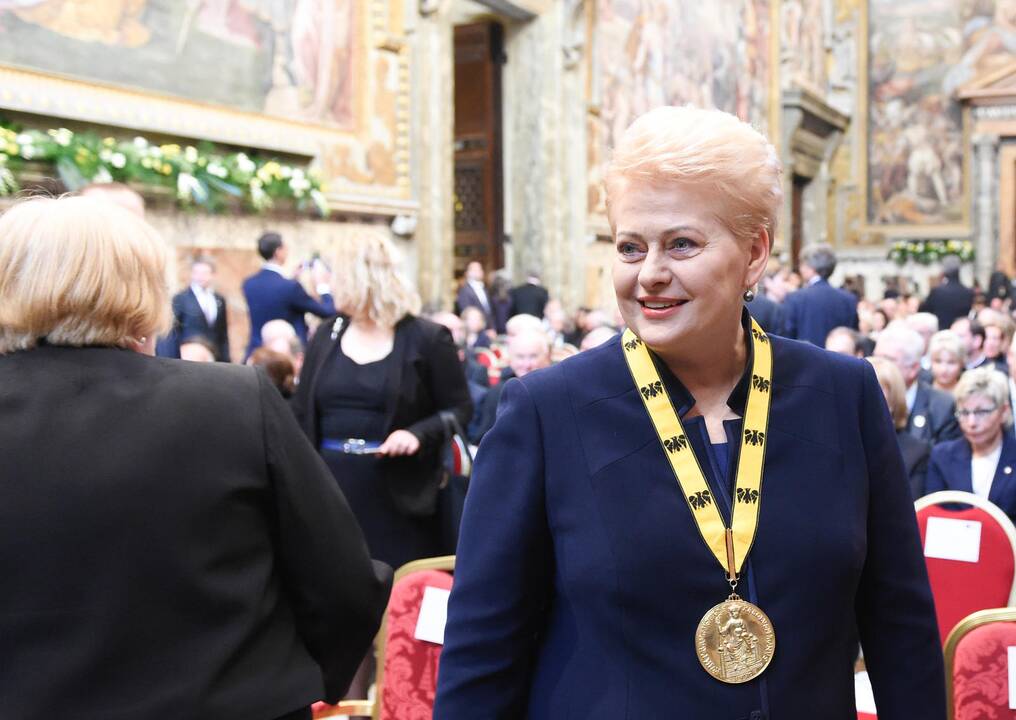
62,136
118,160
190,154
102,176
217,170
140,143
245,164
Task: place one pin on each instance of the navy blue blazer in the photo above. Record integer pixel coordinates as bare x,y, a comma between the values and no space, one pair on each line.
811,312
933,417
949,469
273,297
581,576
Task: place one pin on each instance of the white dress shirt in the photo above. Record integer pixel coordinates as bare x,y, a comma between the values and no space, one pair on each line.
982,471
481,293
206,299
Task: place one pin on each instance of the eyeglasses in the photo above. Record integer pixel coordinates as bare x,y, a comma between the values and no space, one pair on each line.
979,413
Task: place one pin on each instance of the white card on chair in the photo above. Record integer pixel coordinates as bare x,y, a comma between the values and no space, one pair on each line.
1012,678
433,615
948,539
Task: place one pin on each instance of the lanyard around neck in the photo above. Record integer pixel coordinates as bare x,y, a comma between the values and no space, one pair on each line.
730,545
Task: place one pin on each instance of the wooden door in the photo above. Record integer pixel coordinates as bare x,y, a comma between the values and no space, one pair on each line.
797,219
479,201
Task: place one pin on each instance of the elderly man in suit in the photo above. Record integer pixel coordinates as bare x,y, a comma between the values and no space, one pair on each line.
951,299
932,412
813,311
473,293
273,296
199,312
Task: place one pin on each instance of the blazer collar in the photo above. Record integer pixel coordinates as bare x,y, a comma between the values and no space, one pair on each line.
684,401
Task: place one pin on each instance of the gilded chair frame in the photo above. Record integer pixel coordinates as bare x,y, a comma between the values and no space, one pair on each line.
964,627
372,708
945,497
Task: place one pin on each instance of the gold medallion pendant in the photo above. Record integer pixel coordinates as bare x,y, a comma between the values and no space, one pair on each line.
735,641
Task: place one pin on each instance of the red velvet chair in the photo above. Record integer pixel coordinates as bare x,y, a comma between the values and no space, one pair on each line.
406,681
462,461
977,666
961,588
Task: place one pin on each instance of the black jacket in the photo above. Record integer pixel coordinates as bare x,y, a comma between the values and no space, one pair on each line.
529,299
915,461
189,321
949,301
425,378
170,544
932,418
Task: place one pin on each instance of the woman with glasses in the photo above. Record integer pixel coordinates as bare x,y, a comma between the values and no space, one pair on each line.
984,459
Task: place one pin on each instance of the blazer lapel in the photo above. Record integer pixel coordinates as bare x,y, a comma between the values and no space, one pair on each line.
1002,484
393,379
960,471
919,423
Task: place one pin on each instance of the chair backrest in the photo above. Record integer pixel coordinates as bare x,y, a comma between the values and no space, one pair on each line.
960,587
407,666
462,463
977,665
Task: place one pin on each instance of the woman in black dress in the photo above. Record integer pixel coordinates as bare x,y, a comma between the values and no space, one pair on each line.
373,386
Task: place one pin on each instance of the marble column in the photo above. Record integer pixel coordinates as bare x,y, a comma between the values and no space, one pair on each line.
985,206
433,139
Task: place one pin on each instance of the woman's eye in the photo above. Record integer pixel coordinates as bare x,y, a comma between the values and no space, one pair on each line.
682,244
629,249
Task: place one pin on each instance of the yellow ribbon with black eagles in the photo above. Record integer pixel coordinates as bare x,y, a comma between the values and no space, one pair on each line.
730,545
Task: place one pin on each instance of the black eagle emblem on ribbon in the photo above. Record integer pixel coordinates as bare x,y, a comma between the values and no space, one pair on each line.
760,383
760,336
652,389
754,437
746,496
676,443
632,344
700,500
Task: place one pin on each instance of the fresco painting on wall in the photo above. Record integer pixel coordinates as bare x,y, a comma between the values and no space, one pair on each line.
722,61
803,44
915,128
288,58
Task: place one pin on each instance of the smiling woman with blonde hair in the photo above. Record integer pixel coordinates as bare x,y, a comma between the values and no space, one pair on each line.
693,519
156,513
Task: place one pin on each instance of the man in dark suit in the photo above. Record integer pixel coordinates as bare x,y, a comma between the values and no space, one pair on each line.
530,298
814,310
198,311
768,313
473,293
273,296
951,299
932,412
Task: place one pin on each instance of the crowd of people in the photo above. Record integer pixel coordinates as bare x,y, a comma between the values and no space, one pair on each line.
290,479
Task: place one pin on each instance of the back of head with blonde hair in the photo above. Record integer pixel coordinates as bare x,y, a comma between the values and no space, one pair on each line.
703,147
369,281
79,271
891,380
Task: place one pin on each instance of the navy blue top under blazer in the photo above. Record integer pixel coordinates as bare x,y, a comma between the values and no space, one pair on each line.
273,297
811,312
581,577
949,469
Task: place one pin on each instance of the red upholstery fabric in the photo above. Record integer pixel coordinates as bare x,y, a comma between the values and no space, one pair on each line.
410,671
484,357
961,588
461,464
865,716
981,673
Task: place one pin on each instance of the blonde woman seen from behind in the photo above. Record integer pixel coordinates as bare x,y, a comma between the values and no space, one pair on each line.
170,542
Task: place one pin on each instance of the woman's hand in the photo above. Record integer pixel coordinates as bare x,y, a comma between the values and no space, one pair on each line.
400,442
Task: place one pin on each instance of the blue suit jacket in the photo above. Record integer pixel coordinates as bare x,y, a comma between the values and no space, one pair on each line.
189,321
949,469
581,576
811,312
273,297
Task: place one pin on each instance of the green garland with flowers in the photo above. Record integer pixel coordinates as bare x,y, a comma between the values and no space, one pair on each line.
198,175
926,252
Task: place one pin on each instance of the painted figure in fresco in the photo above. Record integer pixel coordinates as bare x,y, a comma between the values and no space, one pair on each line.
111,22
989,42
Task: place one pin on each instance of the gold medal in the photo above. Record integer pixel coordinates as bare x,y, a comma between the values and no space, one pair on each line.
735,641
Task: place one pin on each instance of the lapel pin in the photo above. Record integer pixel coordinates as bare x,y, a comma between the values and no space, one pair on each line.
1007,470
919,421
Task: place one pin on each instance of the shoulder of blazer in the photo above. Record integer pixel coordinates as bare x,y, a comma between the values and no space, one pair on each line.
950,451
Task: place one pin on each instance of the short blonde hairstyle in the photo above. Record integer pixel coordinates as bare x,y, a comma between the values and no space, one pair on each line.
950,342
891,380
703,147
988,383
1005,325
369,280
79,271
